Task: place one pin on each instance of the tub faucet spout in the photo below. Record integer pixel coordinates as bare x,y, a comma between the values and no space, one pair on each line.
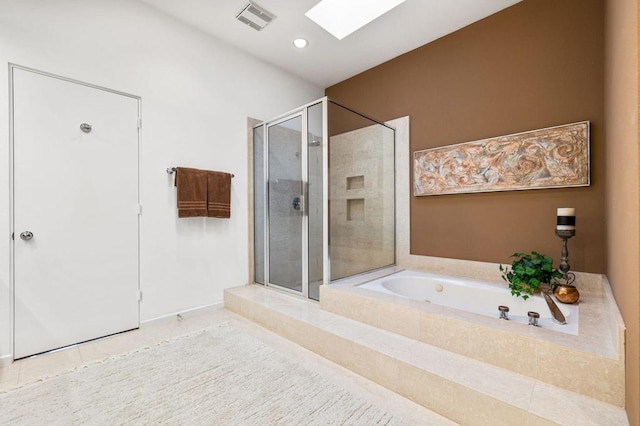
556,313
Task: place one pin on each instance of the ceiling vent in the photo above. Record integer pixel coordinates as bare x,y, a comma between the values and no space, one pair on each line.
255,16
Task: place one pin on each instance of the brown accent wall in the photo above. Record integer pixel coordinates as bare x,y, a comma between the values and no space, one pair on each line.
537,64
622,106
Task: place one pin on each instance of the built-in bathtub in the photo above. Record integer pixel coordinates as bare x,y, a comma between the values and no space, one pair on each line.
590,362
473,296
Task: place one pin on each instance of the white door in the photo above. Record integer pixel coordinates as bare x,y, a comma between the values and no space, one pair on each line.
76,197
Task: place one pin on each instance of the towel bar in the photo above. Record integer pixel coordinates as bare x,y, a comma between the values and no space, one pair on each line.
172,170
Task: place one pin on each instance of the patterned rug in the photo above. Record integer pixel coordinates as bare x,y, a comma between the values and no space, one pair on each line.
219,376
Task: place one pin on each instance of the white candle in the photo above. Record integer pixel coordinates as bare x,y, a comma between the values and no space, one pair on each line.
566,211
565,227
568,215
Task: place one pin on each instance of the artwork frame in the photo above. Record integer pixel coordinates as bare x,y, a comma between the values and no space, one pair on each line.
552,157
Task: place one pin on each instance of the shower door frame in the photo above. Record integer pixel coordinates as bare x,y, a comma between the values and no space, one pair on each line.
303,113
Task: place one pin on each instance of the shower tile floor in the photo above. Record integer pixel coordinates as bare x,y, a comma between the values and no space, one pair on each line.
51,364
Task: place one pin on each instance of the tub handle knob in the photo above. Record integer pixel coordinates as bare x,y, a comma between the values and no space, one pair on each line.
504,312
533,318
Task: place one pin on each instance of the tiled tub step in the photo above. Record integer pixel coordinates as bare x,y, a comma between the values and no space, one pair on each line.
463,389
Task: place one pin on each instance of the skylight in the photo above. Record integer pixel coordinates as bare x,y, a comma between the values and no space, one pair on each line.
342,17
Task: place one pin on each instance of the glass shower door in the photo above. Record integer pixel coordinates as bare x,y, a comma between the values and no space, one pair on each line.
324,197
286,204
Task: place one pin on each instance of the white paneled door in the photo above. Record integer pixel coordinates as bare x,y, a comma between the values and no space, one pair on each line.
75,212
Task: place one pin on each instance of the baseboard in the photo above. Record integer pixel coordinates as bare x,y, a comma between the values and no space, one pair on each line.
185,312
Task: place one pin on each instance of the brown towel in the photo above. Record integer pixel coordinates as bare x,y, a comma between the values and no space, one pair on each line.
191,187
219,194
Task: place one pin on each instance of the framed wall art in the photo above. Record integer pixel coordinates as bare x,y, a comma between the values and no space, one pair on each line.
546,158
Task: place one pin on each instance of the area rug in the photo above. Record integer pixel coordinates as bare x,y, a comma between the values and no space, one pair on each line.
219,376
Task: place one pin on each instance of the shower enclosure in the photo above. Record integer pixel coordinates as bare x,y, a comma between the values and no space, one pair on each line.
324,183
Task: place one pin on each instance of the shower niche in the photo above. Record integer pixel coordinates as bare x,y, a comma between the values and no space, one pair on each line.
324,199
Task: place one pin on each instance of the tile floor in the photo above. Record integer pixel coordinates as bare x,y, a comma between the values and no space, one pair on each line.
47,365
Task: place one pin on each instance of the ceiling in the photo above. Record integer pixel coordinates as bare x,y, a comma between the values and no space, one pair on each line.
327,60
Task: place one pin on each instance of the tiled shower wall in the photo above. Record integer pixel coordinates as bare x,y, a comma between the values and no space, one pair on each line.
361,192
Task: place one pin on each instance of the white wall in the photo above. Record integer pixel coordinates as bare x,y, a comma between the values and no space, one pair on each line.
196,96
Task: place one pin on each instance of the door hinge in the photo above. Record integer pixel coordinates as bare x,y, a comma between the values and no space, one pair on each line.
139,295
139,123
13,236
139,209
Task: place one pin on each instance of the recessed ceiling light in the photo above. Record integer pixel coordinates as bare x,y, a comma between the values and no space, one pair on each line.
300,43
342,17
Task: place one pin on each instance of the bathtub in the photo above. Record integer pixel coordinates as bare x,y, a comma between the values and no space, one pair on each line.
472,296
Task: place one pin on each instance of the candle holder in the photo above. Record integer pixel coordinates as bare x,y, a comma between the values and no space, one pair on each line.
565,234
565,291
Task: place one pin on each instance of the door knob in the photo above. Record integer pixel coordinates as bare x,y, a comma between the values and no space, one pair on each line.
26,235
296,203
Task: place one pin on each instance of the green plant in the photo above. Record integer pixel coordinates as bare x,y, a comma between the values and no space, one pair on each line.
527,272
